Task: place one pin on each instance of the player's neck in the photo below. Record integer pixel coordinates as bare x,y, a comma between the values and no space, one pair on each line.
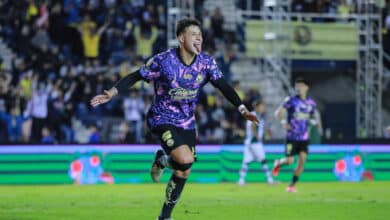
186,58
303,96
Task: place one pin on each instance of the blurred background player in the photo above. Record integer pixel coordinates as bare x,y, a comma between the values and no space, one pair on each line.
178,74
253,150
300,111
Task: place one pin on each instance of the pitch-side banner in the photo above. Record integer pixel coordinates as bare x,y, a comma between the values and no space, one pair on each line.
308,40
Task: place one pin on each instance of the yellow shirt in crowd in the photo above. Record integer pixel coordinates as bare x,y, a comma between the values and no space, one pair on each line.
91,44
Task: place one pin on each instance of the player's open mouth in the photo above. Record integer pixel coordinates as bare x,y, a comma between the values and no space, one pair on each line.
198,47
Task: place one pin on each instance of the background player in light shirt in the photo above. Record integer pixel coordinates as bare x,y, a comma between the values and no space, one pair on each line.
253,149
299,110
177,74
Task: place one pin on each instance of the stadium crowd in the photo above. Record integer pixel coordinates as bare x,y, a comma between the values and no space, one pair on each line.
66,51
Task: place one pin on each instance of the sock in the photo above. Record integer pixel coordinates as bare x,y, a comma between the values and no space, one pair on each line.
165,161
243,171
294,180
266,170
174,188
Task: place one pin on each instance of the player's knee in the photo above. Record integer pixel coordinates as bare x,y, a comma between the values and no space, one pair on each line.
290,160
185,159
182,165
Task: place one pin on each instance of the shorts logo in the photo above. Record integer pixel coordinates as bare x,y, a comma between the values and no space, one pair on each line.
167,138
170,142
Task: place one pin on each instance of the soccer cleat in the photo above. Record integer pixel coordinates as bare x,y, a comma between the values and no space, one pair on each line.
276,168
241,182
157,169
158,218
291,189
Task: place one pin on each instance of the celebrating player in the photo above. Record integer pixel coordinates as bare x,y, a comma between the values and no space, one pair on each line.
300,112
254,150
178,74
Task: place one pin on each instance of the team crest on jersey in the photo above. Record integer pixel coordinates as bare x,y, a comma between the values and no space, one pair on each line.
199,78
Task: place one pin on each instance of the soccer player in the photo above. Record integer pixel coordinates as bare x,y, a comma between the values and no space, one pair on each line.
254,150
178,74
300,112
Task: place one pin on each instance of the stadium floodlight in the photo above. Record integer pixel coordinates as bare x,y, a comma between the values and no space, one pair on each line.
270,36
173,11
269,3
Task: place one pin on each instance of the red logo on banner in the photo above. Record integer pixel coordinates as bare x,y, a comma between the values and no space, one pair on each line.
357,160
341,166
76,166
94,161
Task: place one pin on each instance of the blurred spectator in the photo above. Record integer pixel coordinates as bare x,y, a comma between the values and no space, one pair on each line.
133,109
94,137
225,59
90,36
47,136
217,21
41,39
72,9
387,132
202,118
161,17
57,26
125,135
4,99
66,125
343,10
32,10
217,135
145,36
37,110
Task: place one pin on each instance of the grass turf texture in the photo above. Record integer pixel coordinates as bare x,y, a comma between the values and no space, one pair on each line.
366,200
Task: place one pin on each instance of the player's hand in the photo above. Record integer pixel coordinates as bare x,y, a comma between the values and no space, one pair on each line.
248,115
251,117
102,98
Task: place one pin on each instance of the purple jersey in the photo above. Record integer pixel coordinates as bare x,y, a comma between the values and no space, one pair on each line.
299,113
177,87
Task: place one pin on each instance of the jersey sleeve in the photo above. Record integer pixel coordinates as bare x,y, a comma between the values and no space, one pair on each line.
214,73
313,108
151,70
287,103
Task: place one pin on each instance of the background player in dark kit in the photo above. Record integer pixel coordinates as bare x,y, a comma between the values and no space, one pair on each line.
300,112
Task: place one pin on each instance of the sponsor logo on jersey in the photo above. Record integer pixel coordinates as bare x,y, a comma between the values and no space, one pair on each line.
181,93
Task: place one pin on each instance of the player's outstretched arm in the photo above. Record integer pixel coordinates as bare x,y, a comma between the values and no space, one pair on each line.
121,86
232,96
103,98
280,113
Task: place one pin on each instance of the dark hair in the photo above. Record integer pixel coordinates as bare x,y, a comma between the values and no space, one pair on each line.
301,80
257,101
182,24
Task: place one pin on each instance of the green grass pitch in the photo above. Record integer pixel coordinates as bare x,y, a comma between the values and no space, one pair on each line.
314,201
